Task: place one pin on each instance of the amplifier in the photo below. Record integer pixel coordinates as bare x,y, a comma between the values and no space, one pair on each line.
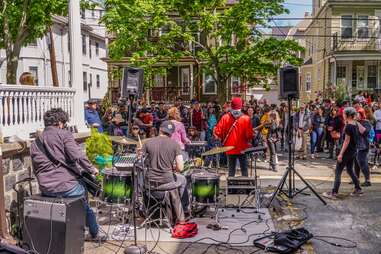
54,225
240,185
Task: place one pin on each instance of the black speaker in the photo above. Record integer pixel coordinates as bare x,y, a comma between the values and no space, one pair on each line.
54,225
289,82
133,83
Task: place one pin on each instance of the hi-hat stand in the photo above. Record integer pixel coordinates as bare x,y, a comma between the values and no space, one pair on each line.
290,171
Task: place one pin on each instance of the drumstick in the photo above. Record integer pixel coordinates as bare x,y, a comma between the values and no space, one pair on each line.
140,141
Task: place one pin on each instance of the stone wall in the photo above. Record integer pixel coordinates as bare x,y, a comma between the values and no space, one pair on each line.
16,168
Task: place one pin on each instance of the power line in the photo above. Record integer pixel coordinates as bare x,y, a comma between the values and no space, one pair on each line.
297,4
312,18
318,36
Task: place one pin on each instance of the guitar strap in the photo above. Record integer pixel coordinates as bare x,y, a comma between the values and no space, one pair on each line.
41,146
231,128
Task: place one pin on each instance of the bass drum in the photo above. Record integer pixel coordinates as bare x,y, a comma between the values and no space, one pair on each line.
205,188
117,186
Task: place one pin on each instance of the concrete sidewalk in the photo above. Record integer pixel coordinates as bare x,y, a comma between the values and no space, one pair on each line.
357,219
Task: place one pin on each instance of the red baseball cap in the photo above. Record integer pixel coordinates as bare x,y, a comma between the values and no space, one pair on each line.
236,103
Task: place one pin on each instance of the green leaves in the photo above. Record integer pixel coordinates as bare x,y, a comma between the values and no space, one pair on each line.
153,31
98,144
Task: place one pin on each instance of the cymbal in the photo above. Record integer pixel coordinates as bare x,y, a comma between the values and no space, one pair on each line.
218,150
123,140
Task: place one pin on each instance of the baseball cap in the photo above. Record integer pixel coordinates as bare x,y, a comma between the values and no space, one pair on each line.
167,127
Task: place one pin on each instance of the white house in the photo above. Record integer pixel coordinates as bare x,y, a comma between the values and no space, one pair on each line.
35,58
22,107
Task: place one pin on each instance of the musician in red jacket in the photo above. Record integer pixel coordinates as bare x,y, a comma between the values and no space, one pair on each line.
235,129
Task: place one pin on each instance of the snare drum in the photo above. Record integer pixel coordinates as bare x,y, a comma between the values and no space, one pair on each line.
205,187
117,186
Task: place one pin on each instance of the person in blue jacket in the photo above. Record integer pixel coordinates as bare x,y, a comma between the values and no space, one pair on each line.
92,115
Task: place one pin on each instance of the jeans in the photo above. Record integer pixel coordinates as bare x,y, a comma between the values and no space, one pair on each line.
80,191
348,164
232,161
272,151
316,136
361,162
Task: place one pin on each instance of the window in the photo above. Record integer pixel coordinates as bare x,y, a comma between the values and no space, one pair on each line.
68,42
91,81
92,13
84,44
98,81
84,81
341,75
90,53
159,80
210,86
97,48
235,85
33,44
69,79
346,27
34,71
83,13
363,27
360,76
185,80
308,81
372,76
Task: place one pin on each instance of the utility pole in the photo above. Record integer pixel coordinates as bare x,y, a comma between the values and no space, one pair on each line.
53,60
76,64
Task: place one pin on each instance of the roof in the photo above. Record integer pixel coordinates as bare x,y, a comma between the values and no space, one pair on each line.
280,32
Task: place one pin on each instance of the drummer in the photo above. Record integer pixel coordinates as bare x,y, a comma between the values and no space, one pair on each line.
161,152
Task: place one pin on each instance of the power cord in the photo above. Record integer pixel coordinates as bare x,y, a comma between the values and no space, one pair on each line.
352,246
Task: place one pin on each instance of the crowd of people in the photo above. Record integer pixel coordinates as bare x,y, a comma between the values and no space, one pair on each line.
322,123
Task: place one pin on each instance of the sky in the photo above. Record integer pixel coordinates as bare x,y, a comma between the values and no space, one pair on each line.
297,9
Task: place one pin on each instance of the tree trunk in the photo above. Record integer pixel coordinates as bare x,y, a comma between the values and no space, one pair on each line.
53,60
221,92
12,63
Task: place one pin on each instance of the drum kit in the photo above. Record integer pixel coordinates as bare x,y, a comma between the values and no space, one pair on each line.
118,182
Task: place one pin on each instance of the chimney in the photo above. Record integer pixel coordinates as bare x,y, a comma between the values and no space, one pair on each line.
306,14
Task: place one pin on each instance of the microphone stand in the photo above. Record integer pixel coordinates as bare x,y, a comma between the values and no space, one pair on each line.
135,248
290,172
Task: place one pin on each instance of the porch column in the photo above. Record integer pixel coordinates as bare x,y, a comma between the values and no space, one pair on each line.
191,81
76,64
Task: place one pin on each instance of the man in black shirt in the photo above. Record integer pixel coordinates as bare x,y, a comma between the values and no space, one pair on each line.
347,154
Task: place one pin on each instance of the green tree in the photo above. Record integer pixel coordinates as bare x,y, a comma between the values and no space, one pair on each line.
232,44
24,21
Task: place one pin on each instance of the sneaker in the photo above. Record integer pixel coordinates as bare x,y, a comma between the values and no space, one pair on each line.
357,193
366,184
98,238
312,156
330,195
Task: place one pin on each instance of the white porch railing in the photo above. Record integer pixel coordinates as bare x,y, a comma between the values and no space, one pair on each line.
22,107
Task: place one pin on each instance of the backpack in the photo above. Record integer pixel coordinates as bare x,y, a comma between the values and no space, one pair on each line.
371,135
188,230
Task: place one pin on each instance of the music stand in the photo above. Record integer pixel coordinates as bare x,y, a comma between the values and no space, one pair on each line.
290,170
